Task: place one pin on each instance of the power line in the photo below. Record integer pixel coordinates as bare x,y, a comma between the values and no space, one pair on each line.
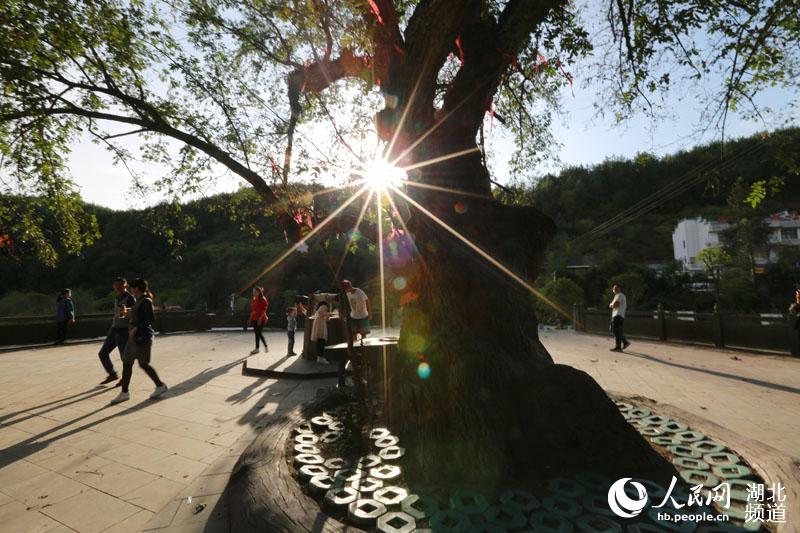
686,182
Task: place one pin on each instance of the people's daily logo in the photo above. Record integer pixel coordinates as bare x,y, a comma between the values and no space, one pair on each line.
623,505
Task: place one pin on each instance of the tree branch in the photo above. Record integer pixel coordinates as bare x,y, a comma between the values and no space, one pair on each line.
489,49
217,153
429,38
315,78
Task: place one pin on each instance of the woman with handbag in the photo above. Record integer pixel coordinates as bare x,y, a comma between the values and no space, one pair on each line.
140,340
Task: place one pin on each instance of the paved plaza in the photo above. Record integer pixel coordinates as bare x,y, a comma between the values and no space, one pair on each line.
69,461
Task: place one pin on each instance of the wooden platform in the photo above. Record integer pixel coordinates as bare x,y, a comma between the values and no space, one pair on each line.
281,366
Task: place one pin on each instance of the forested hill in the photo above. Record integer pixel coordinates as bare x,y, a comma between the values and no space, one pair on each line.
195,255
643,198
214,246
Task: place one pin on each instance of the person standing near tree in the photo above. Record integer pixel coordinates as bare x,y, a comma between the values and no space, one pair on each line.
291,327
618,305
117,335
258,317
359,309
140,341
319,329
65,314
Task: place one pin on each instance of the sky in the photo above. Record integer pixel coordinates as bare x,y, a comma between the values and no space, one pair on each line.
585,139
582,138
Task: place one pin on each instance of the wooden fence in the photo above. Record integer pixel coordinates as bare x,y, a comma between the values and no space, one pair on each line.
767,332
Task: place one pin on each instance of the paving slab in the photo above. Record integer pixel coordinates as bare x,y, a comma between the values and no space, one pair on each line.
58,435
69,461
751,394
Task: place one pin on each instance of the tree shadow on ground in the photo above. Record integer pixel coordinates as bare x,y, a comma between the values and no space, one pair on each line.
61,402
33,444
725,375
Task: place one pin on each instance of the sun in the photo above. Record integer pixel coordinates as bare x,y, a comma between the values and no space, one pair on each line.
380,175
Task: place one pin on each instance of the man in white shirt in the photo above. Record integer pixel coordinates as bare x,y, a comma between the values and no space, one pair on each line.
359,308
618,307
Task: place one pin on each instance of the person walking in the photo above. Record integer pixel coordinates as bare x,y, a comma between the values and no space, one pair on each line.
258,317
117,336
359,309
291,327
618,305
794,312
140,341
319,329
65,314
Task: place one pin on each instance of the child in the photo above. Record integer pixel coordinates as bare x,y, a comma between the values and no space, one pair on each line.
291,326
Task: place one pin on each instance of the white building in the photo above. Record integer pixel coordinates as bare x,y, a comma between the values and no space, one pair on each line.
692,235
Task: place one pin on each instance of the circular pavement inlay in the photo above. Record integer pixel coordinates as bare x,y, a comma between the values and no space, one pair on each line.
306,472
522,500
365,512
396,522
378,433
385,442
449,521
306,438
469,502
305,448
318,485
505,516
365,462
391,453
420,507
366,484
307,459
561,506
339,498
391,496
385,472
330,437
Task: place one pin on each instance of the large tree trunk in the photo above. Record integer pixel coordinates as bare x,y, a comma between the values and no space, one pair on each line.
495,408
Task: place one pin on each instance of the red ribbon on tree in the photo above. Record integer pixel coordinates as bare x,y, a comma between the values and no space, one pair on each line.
460,50
376,10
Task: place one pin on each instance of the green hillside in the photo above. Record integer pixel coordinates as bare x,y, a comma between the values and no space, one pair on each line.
195,255
618,217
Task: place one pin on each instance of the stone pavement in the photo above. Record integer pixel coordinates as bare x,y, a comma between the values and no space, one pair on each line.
69,461
753,395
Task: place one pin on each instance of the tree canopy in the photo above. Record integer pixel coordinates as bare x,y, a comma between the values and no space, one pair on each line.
246,86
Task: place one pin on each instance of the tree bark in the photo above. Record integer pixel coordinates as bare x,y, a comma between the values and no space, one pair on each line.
496,409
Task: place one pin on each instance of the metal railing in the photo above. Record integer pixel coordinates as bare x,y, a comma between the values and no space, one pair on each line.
767,332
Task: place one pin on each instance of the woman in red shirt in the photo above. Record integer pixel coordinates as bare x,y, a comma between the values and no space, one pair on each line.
258,316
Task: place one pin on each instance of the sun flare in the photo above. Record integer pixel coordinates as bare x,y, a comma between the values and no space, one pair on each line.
380,175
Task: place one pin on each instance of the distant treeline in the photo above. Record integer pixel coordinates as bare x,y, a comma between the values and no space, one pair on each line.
618,217
196,254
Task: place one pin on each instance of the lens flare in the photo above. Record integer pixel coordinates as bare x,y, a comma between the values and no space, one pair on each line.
424,370
380,175
399,283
